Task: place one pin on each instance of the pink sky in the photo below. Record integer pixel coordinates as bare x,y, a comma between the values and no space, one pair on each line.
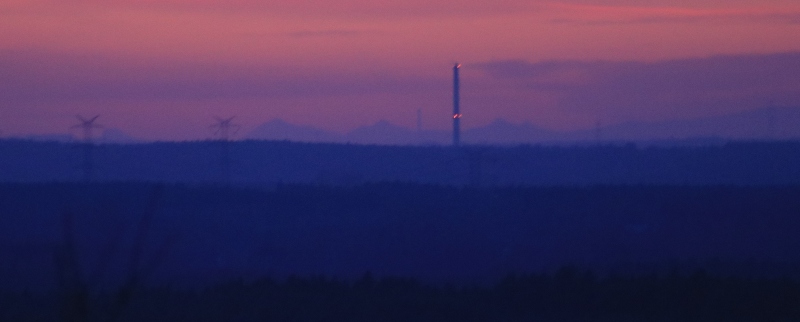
162,69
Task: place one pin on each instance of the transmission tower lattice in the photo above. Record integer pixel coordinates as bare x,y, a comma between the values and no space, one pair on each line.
223,129
87,125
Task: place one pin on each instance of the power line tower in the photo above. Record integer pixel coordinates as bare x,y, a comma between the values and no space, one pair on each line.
223,129
87,125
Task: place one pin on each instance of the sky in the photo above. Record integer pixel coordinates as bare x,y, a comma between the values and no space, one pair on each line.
161,70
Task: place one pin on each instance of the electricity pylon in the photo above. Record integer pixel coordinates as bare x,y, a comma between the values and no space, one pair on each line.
223,129
87,125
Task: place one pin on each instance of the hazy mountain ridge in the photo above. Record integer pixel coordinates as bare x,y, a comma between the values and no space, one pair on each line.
769,123
108,136
779,123
280,130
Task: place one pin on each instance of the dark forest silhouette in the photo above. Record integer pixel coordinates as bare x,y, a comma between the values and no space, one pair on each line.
270,162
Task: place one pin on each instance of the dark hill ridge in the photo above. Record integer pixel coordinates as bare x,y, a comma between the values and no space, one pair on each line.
271,162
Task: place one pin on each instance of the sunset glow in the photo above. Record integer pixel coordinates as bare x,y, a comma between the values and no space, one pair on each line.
159,69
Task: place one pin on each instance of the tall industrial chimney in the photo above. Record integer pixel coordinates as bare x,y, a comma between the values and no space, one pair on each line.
456,113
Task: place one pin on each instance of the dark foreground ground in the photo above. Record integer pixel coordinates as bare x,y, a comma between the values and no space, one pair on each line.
202,234
155,252
566,295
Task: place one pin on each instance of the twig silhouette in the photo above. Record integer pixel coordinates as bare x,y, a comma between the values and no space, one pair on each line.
75,294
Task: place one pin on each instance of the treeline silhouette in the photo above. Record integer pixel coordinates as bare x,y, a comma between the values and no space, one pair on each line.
271,162
569,294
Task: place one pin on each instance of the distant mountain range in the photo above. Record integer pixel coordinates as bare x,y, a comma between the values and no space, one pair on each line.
761,124
770,123
108,136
